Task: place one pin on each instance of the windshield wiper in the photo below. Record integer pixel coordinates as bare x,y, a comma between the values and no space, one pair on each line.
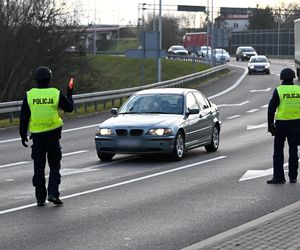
123,113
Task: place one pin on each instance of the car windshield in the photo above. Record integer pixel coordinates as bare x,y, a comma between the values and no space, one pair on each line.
178,48
258,59
153,103
220,51
248,50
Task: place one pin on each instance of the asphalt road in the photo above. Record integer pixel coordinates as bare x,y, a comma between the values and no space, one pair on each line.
150,203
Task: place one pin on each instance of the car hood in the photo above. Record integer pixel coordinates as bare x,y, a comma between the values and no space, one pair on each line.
259,64
141,120
181,51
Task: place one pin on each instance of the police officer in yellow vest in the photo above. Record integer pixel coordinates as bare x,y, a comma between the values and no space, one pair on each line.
39,114
285,108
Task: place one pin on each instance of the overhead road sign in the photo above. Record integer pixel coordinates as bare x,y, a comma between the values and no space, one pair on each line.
190,8
140,53
236,11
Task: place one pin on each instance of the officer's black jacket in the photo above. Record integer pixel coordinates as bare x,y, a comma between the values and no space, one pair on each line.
65,103
273,104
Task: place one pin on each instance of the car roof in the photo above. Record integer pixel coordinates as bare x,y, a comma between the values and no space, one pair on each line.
179,91
245,47
259,56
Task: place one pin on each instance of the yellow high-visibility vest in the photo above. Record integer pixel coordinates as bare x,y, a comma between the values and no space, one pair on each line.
289,106
43,104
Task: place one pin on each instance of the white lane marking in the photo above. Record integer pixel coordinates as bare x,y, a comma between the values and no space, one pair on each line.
233,117
14,164
234,104
265,106
75,152
9,180
80,128
254,174
64,131
237,83
10,140
260,90
263,125
6,211
25,162
71,171
252,110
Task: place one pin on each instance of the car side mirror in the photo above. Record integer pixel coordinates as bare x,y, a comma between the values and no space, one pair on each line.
114,111
193,111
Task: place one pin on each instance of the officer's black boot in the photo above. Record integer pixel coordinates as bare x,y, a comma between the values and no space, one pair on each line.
55,200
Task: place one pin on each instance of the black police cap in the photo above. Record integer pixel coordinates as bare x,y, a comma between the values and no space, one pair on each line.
287,73
42,73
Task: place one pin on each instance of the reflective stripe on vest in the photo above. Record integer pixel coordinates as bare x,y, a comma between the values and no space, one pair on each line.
289,106
43,104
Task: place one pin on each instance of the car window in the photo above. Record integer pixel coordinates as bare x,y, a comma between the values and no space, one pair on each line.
202,100
191,102
248,50
258,59
178,48
154,103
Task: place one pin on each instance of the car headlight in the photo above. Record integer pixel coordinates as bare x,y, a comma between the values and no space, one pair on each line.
159,131
251,66
267,66
104,131
244,54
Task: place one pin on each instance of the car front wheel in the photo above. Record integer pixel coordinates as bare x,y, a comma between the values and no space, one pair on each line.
179,147
105,156
215,140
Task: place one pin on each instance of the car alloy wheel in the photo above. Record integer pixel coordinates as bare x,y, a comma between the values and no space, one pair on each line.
179,147
215,140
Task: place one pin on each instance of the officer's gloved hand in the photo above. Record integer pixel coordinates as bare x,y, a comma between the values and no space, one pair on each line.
271,129
24,140
70,87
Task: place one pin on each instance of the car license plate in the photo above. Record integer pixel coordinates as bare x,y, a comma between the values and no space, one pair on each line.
128,143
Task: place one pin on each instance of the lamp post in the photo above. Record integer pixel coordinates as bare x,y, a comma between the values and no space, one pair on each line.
278,33
160,45
95,28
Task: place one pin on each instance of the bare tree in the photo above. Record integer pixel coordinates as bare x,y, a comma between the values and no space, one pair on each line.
171,32
287,14
33,33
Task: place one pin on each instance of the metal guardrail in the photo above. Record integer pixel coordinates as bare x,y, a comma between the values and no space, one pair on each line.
112,95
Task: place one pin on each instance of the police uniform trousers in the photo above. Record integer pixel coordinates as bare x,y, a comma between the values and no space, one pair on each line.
281,134
46,146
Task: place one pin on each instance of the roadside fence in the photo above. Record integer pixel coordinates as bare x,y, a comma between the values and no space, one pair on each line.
11,110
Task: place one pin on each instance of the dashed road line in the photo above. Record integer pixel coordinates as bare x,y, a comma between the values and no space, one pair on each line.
233,104
26,162
252,110
233,117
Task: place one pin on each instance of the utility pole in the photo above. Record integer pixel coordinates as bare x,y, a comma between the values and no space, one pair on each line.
278,33
95,18
160,45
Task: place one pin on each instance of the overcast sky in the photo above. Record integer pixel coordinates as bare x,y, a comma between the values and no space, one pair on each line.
125,11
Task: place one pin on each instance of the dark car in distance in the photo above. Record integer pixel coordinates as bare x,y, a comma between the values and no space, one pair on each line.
244,53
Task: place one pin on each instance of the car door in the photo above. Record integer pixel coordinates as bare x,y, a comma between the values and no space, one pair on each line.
206,116
193,129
